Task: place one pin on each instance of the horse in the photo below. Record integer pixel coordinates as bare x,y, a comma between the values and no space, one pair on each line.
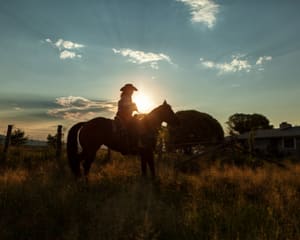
85,138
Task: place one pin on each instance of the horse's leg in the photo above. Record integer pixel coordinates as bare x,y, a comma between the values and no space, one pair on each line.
89,158
150,160
147,157
76,166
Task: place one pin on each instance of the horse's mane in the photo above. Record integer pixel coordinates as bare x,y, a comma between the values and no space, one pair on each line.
143,116
157,109
153,118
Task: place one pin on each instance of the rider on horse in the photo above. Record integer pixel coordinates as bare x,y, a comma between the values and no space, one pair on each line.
124,117
125,105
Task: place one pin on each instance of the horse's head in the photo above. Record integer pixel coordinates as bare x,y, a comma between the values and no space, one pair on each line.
167,114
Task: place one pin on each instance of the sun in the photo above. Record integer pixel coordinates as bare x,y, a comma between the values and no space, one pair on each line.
144,103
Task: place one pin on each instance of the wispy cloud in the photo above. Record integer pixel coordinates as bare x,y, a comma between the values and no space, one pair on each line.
140,57
238,63
203,11
263,59
67,49
76,108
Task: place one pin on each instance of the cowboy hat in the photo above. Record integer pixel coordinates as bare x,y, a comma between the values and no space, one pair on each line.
128,86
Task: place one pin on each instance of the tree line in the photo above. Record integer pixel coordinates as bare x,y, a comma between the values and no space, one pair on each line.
195,127
240,123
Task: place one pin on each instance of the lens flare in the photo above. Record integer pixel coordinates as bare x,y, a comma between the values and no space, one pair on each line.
144,103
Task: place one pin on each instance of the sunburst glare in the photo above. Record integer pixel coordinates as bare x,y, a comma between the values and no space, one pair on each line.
144,103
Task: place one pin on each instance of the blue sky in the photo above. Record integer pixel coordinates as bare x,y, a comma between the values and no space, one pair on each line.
65,61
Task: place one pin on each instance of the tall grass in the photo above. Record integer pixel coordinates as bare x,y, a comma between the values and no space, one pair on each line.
44,202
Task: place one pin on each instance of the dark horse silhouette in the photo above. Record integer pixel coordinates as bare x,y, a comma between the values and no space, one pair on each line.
85,138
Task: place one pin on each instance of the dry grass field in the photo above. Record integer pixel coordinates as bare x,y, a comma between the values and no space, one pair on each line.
39,200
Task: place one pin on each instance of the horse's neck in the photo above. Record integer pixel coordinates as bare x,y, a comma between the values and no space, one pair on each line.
153,119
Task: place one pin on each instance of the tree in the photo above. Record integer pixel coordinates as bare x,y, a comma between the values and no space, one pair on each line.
18,137
52,140
195,128
240,123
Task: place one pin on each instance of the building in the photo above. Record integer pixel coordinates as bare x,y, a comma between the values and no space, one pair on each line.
284,140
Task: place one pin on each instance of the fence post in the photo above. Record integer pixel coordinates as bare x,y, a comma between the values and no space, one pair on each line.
7,141
58,143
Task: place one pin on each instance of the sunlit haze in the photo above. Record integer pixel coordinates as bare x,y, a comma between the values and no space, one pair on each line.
143,102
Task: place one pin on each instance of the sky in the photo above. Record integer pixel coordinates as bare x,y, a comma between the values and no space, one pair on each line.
62,62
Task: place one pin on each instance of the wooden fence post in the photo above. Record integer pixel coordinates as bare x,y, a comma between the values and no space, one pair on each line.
7,141
58,143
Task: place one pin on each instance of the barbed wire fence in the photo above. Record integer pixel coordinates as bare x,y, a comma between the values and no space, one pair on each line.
40,136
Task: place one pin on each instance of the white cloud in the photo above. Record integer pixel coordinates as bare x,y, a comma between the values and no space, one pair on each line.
64,47
76,108
68,54
73,101
140,57
235,65
260,60
62,44
202,11
208,64
238,63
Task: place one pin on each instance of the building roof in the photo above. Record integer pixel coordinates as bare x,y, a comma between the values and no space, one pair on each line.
273,133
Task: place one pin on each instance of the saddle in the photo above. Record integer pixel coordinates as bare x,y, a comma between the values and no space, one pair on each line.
124,136
129,134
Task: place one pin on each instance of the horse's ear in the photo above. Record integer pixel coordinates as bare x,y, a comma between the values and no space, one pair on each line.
165,102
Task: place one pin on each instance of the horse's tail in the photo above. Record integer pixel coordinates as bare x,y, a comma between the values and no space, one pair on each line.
72,149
